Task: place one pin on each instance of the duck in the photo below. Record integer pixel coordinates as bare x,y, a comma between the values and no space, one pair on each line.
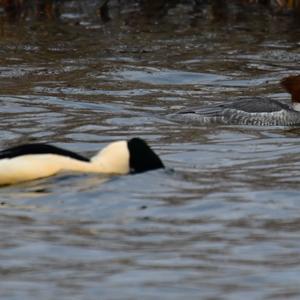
256,112
37,160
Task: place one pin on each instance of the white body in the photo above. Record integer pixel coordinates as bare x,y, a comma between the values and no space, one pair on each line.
113,159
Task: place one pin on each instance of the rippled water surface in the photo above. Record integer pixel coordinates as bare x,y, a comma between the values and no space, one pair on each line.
223,222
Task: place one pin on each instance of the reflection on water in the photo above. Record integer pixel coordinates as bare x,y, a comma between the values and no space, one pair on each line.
224,224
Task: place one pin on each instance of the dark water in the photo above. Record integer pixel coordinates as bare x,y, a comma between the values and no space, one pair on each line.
224,224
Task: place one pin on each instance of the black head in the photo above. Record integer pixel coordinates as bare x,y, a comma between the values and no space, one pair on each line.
141,157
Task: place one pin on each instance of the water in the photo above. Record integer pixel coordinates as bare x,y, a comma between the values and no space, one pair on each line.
221,223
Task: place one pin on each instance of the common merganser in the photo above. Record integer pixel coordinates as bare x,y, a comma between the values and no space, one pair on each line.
259,112
33,161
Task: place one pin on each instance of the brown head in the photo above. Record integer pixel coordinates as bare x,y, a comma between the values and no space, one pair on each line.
292,85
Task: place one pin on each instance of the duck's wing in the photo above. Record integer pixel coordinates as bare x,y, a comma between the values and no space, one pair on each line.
258,105
31,149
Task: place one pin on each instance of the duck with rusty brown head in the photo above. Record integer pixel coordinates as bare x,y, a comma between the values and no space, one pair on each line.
255,112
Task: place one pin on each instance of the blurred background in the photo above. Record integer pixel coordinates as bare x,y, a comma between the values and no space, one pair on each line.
49,9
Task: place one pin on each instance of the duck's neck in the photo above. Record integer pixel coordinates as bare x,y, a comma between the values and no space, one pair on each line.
296,106
114,159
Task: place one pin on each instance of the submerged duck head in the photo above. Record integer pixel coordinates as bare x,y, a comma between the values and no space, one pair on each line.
142,158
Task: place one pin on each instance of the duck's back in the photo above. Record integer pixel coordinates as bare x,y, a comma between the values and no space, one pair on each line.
37,148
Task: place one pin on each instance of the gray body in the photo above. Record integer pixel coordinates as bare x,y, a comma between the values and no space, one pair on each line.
257,112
